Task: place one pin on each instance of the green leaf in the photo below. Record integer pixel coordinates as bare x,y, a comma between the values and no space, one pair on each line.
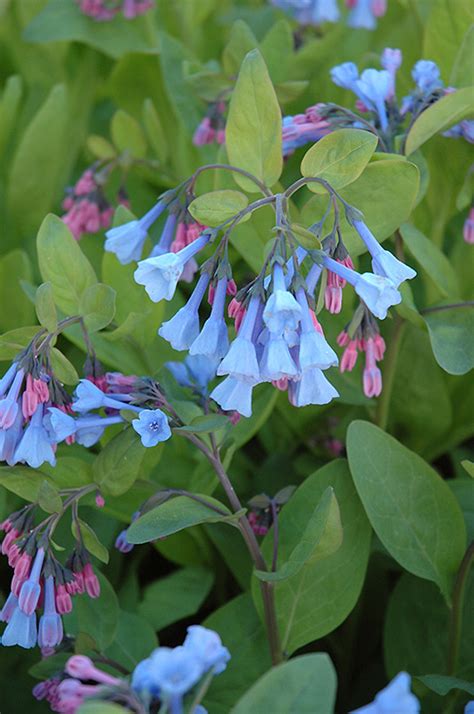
432,259
45,307
212,209
339,158
241,41
48,498
243,634
15,267
49,666
409,506
9,105
461,73
451,334
134,641
63,264
174,515
305,684
416,631
62,368
316,600
468,466
442,684
444,32
96,617
60,21
97,306
35,174
447,111
175,597
253,129
14,341
91,541
385,192
100,147
154,130
127,134
206,424
321,538
118,464
23,481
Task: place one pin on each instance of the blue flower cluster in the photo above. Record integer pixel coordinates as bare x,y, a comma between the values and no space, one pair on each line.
170,673
363,13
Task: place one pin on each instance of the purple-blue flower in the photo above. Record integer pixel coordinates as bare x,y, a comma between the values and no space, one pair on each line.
206,646
166,238
127,241
345,75
21,630
88,397
9,438
9,404
183,328
31,590
152,426
87,430
427,76
396,698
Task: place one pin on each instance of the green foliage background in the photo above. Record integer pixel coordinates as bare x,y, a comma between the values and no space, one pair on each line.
75,91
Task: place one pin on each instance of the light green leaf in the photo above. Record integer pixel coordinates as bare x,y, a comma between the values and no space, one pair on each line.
154,130
408,504
253,130
15,267
97,306
322,537
385,192
432,259
135,640
14,341
63,264
9,105
175,597
212,209
127,134
35,174
206,424
21,480
468,466
48,498
338,158
442,684
241,41
441,115
62,367
91,541
305,684
118,464
174,515
316,600
452,338
462,73
100,147
444,32
45,307
243,633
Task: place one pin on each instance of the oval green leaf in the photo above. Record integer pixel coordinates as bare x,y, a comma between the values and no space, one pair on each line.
215,207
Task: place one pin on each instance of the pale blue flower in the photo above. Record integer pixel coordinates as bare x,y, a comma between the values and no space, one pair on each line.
345,75
276,361
127,240
213,340
7,379
9,404
175,671
206,646
50,631
21,630
427,76
362,16
166,238
241,359
143,679
160,275
314,350
87,430
373,88
396,698
183,328
469,709
282,312
10,438
35,446
196,371
235,394
152,426
313,388
88,397
383,262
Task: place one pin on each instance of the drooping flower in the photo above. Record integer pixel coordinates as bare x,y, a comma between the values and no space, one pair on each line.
383,262
213,340
127,241
282,312
183,328
396,697
36,446
241,359
50,632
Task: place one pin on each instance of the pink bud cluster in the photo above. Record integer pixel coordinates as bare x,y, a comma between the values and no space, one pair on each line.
333,292
87,208
66,693
374,348
300,129
105,10
212,128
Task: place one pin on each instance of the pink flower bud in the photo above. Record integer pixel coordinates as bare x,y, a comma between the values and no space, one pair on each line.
231,288
91,581
22,565
343,339
349,357
281,384
99,500
9,539
333,299
63,600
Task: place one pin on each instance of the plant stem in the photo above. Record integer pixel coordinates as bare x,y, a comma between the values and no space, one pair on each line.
455,625
452,306
267,590
381,416
227,167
